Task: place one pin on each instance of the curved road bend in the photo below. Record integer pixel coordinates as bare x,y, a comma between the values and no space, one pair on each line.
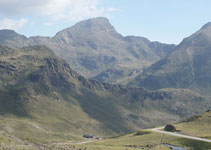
158,130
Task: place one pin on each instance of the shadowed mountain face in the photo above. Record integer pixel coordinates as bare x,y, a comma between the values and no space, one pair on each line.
42,89
188,66
93,46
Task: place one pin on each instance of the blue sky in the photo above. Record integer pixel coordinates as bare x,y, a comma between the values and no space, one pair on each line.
167,21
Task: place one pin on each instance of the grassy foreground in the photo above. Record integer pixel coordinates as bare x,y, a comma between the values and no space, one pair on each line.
25,134
199,126
143,140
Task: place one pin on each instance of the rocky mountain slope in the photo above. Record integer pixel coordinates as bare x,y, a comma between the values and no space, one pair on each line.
43,100
93,46
188,66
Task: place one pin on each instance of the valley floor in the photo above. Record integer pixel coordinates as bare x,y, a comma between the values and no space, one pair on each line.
145,140
194,134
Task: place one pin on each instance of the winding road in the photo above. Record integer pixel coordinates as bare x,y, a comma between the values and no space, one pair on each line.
158,130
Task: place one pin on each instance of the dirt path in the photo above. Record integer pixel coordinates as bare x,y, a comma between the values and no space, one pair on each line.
158,130
73,143
85,142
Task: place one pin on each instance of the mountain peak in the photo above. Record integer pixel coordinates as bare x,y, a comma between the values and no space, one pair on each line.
203,34
93,24
99,23
95,21
98,28
7,30
8,34
206,26
102,19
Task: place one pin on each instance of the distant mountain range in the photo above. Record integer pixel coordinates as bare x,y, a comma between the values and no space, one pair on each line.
93,47
36,84
48,84
188,66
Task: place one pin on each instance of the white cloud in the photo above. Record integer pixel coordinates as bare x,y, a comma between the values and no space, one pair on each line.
12,24
55,10
73,10
112,9
20,7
